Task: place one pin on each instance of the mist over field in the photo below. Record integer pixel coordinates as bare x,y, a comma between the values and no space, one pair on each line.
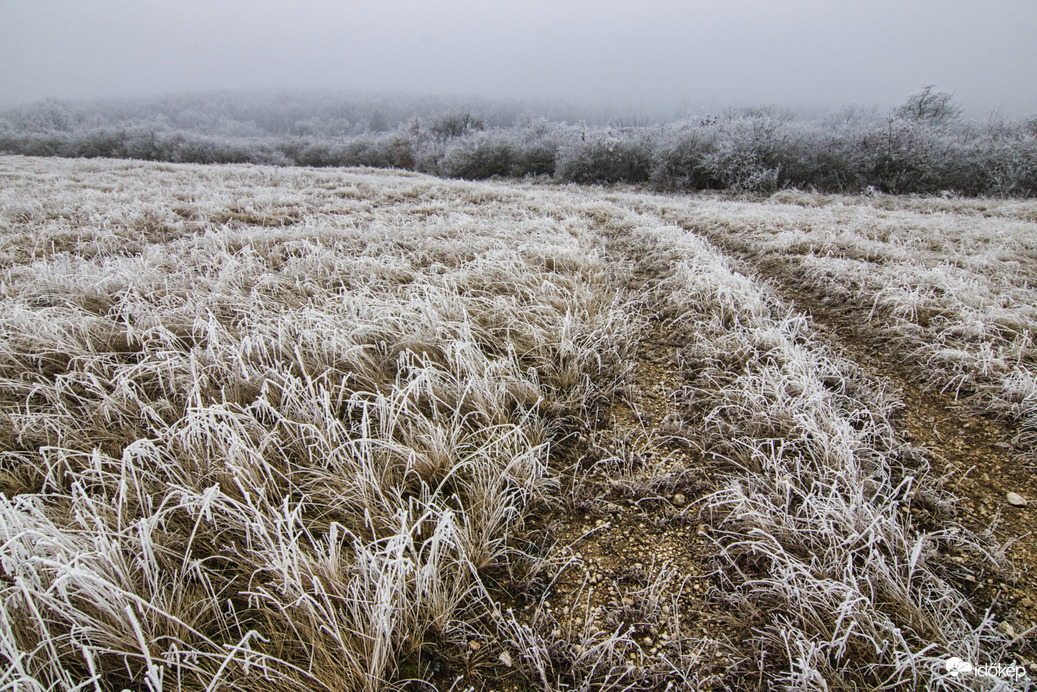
659,56
916,97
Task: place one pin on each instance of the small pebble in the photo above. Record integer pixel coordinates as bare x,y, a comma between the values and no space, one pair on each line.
1016,500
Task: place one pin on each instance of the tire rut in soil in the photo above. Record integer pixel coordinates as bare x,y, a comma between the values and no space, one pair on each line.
970,451
639,546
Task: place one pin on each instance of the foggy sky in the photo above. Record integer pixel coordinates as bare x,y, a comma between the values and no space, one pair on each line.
651,54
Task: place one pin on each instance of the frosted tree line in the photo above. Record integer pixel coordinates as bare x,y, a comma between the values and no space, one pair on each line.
924,146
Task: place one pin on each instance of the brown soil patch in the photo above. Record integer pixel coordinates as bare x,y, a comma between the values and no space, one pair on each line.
641,552
633,542
637,537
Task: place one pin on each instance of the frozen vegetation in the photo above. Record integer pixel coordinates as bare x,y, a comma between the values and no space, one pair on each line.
287,429
923,146
950,283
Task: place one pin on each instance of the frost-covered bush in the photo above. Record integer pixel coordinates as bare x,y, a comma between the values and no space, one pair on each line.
1006,163
816,158
360,151
915,156
903,157
681,161
311,153
480,155
605,157
749,152
536,149
373,152
35,144
536,159
193,149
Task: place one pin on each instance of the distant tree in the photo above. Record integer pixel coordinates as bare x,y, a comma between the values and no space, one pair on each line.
936,107
852,118
450,125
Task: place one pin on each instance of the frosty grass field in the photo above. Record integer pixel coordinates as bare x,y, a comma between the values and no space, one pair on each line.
304,429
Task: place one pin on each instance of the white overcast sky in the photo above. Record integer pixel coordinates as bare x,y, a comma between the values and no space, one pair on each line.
654,54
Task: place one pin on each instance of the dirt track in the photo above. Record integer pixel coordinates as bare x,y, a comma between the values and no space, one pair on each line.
973,453
641,552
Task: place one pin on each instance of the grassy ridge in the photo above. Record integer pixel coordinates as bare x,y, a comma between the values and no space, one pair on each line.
818,554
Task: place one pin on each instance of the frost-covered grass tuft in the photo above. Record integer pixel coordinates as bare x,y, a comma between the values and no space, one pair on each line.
272,436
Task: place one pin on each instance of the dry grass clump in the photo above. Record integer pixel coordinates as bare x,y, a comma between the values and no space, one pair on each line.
239,455
841,589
